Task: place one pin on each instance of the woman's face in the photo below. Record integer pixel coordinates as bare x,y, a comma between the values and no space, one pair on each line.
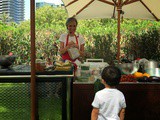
72,27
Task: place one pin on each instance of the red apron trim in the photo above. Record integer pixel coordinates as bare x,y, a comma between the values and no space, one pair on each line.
66,56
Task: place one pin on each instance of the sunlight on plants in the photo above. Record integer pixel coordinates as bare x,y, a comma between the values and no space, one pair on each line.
3,109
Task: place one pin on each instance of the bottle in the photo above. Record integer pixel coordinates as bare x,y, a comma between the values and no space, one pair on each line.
78,72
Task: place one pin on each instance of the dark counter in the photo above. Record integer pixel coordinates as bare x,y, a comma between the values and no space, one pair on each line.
26,70
23,74
142,99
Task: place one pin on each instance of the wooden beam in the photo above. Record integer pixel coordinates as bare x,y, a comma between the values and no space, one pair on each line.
126,1
107,2
149,10
84,7
129,2
71,3
34,113
118,32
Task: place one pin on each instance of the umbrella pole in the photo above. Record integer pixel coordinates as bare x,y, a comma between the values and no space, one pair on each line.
33,78
118,33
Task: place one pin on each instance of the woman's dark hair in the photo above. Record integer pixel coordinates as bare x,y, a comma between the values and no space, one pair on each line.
111,75
71,19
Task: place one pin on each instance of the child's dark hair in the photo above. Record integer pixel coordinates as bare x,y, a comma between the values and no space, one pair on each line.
111,75
71,19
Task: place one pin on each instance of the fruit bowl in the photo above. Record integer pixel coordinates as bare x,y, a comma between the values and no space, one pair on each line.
6,60
128,68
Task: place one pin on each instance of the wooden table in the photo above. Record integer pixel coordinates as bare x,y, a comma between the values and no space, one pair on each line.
142,99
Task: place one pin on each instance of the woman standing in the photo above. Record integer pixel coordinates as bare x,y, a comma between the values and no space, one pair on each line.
71,40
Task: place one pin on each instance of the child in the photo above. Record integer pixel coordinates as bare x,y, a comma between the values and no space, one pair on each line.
109,103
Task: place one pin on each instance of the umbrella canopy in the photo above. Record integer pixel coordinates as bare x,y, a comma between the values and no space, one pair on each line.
88,9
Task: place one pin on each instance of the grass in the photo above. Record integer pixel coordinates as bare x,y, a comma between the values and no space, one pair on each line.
15,103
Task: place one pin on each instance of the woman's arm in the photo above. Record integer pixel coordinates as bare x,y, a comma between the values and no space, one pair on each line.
62,49
82,50
94,114
122,114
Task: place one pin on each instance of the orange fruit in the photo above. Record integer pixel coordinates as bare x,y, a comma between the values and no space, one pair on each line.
138,74
146,74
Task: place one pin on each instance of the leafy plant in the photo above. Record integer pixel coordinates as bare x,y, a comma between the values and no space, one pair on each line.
138,37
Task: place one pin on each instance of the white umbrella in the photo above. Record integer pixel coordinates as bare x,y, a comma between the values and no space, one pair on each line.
88,9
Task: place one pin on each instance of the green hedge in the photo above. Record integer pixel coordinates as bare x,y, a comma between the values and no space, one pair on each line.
138,37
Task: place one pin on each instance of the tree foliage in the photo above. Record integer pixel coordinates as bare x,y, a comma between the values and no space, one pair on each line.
100,36
49,17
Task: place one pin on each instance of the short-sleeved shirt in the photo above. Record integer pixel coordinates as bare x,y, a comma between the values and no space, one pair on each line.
109,102
63,38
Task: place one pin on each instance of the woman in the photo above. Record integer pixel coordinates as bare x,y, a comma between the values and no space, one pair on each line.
70,39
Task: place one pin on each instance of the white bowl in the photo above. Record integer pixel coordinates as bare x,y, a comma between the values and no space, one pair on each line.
128,68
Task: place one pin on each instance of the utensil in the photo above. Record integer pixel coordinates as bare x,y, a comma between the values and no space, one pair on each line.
128,68
153,71
151,64
154,79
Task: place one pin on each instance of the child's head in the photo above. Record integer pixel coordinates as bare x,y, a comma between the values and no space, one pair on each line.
111,75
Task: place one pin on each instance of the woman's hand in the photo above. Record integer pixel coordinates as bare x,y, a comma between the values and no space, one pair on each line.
72,44
76,46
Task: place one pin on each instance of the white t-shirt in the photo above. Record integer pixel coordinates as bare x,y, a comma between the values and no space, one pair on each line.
109,102
63,38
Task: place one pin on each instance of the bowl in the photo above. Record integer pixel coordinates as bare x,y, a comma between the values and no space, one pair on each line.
128,68
153,71
6,60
